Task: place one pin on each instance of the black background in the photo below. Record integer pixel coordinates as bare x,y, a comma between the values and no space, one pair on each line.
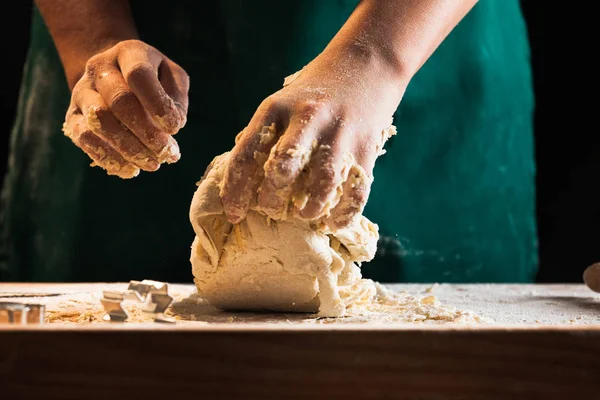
566,162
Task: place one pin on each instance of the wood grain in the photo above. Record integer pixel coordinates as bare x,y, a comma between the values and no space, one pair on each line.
220,363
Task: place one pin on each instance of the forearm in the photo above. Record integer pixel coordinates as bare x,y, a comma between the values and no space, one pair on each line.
81,29
400,34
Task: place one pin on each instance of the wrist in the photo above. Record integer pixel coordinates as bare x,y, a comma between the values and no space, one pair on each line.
381,59
75,58
370,65
82,29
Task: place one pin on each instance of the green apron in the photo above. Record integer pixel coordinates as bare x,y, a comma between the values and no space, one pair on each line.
453,196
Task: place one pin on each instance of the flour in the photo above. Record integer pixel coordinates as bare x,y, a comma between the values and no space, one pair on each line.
189,308
500,305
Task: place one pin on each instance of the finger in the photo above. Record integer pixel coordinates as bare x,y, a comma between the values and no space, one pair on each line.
287,160
355,192
176,83
328,168
126,107
356,186
103,124
102,154
139,66
245,170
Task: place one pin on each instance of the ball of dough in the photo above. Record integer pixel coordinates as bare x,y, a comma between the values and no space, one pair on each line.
288,265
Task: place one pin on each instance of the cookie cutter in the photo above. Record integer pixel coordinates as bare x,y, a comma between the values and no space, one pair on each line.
153,296
21,313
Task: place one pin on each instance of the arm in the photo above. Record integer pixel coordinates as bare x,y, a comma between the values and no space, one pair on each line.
82,29
400,33
127,97
332,118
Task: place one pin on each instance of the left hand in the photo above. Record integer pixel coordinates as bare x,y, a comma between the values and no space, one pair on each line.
126,107
311,147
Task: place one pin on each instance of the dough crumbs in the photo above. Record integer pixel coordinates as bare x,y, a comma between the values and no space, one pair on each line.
401,307
85,308
189,308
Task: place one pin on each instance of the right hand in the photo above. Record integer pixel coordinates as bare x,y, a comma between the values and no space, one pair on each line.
125,108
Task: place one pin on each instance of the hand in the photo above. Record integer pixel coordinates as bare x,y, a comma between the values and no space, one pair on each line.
310,147
125,108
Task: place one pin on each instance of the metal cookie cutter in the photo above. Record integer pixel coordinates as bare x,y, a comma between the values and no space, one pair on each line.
21,313
152,295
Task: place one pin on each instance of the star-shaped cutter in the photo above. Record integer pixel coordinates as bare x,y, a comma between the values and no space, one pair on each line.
153,296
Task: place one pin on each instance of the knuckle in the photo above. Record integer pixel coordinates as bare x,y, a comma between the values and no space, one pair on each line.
138,72
341,121
94,65
122,99
130,44
311,108
102,112
270,106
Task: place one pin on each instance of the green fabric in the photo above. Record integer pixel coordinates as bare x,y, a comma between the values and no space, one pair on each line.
454,195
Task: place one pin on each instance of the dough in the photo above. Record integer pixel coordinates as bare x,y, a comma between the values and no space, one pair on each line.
288,265
292,265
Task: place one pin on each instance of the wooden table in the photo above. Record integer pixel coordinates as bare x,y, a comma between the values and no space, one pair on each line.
544,342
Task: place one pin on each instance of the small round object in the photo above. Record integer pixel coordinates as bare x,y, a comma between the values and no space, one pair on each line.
591,277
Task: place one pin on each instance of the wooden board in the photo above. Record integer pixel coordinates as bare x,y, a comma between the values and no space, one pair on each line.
544,343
